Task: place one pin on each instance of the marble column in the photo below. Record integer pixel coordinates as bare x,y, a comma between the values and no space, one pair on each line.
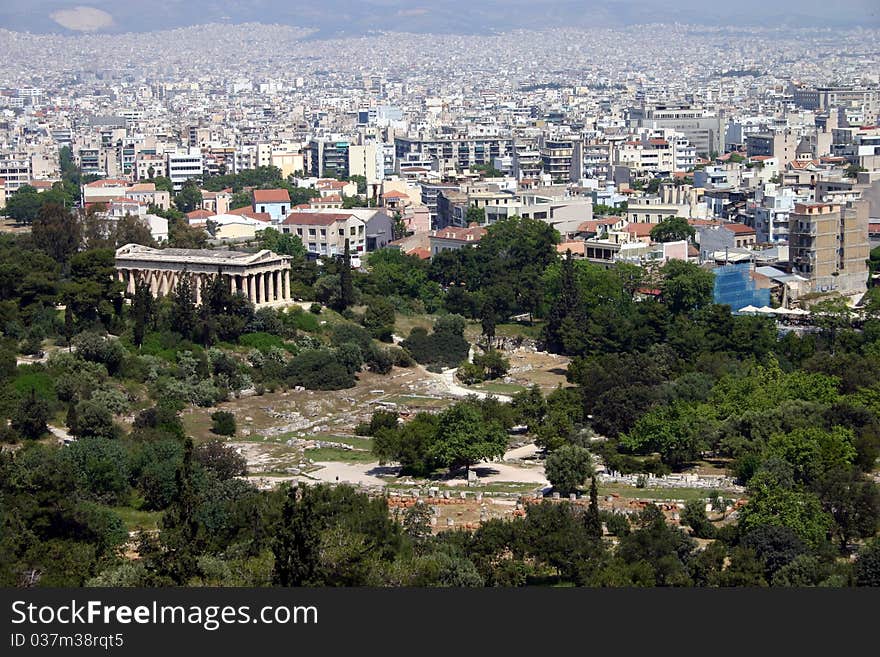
130,287
264,290
251,294
153,278
197,288
270,295
287,293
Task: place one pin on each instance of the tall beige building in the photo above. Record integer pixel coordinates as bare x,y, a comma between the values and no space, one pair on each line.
829,245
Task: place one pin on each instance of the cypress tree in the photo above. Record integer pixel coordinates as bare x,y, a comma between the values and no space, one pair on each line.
68,325
564,306
297,542
346,287
592,521
141,310
183,307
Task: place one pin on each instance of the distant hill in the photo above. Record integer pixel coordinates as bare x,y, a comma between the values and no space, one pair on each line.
357,17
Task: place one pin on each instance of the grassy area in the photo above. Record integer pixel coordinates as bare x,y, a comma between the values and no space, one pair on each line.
135,518
656,493
358,442
323,454
403,324
499,388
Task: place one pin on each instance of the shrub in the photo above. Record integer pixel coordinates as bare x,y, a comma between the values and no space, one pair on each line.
261,341
492,363
318,369
378,360
114,400
29,419
223,460
223,423
400,357
315,308
446,346
470,373
94,421
99,349
343,332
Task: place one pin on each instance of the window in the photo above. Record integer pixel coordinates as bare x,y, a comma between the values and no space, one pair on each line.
342,232
283,209
323,232
311,232
299,231
360,230
351,231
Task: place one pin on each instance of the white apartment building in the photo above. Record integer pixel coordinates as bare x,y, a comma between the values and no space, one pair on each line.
15,171
183,165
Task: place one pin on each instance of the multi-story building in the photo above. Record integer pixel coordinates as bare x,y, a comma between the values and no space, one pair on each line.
184,165
15,171
701,127
324,233
829,245
561,159
274,202
328,158
455,152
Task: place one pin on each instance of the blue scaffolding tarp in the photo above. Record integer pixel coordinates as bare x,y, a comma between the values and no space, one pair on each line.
735,287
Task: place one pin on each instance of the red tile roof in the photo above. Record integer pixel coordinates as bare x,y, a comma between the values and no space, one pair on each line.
271,196
199,214
248,211
642,229
740,229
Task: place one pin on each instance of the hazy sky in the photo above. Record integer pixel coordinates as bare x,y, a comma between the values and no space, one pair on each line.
464,16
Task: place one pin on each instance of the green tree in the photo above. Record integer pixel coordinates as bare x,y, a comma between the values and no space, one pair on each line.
297,542
685,286
223,460
223,423
464,438
141,311
189,197
694,516
568,468
23,205
57,232
475,215
592,518
183,307
773,504
379,319
564,309
31,416
346,287
672,229
492,363
94,420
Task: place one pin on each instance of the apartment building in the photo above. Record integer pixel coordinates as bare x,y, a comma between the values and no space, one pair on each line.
324,233
328,157
456,152
829,245
15,171
700,126
184,165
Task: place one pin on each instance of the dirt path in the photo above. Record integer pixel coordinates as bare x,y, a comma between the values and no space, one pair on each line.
60,433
